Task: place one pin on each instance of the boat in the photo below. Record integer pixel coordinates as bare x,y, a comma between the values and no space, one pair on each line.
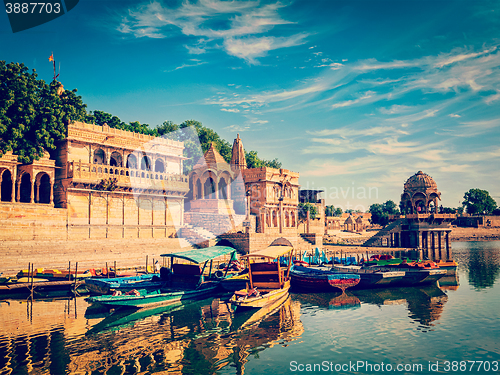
181,281
321,279
235,282
387,276
268,280
53,274
98,285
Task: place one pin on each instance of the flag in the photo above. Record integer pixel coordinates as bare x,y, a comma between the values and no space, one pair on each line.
51,58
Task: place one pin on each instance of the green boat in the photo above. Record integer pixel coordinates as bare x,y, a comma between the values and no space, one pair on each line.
181,282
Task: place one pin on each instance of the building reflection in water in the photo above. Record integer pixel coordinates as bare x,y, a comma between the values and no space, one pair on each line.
202,337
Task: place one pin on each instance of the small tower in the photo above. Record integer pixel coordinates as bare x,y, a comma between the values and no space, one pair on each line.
238,155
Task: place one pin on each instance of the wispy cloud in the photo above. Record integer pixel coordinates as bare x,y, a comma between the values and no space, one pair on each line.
238,24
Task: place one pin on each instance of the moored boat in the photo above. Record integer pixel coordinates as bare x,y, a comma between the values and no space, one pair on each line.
385,276
268,282
181,282
97,285
321,279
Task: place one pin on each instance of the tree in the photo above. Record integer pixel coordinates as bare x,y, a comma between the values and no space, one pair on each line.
478,201
303,208
380,212
34,115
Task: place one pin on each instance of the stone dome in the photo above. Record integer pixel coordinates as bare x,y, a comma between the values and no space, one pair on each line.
420,181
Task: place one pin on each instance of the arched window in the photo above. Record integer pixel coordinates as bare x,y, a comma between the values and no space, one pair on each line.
159,166
222,189
43,188
209,189
146,163
131,161
199,190
99,156
25,188
6,186
115,160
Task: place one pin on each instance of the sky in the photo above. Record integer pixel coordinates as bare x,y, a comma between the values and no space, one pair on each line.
356,96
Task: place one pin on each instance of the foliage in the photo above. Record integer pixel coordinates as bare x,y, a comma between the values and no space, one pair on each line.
380,212
34,115
332,211
303,208
107,184
478,201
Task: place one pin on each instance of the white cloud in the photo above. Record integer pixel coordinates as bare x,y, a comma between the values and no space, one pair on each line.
236,23
233,110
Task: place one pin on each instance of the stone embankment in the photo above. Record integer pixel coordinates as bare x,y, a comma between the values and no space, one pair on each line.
475,234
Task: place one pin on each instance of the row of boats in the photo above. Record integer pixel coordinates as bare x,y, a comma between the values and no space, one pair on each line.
267,278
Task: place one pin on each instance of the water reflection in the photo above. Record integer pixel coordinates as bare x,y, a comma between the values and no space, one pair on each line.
201,337
480,260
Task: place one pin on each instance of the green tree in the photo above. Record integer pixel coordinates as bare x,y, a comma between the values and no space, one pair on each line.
34,115
478,201
303,208
332,211
380,212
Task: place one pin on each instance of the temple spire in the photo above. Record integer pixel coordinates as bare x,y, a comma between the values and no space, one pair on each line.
238,154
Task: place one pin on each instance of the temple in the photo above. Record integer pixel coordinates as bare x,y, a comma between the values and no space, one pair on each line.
420,226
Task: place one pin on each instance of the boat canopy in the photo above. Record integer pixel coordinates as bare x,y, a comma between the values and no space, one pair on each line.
272,252
202,255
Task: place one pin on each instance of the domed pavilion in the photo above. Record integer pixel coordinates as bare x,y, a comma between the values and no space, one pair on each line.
420,195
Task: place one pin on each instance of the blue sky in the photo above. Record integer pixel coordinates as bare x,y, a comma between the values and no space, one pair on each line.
355,95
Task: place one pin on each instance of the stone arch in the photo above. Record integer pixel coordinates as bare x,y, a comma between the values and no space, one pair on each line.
268,218
43,187
25,188
199,189
146,163
159,166
131,161
99,156
116,159
225,242
293,220
287,219
6,186
282,241
223,190
209,189
275,218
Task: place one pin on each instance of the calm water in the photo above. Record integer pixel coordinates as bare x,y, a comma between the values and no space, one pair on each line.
409,327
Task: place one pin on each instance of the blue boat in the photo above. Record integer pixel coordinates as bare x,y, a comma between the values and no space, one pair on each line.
321,279
97,285
181,282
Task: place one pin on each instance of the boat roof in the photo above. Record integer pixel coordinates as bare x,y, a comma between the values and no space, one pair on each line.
202,255
272,252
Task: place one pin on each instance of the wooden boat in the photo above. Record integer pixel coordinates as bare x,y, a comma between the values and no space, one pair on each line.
98,285
321,279
386,276
54,274
235,282
180,282
268,279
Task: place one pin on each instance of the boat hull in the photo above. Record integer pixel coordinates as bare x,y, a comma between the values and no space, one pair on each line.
321,280
155,298
263,300
394,277
107,286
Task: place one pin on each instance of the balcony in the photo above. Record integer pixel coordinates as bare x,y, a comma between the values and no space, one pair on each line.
126,177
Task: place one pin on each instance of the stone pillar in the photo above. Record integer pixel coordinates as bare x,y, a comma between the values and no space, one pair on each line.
13,192
37,193
448,246
281,216
419,240
32,197
439,244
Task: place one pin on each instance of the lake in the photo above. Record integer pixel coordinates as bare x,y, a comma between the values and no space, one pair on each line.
448,329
